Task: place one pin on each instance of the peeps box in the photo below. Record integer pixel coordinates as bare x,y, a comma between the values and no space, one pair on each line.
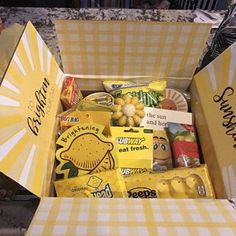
99,50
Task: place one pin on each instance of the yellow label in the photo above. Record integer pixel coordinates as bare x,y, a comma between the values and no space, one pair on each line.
85,150
29,96
107,184
134,147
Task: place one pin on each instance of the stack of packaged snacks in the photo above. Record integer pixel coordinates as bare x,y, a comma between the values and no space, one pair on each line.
86,154
105,149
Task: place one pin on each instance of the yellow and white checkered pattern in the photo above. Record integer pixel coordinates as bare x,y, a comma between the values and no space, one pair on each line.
122,48
74,216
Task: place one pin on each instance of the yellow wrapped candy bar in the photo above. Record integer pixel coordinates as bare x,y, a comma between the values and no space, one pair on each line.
108,184
177,183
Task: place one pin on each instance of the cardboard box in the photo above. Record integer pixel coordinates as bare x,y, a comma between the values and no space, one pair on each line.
98,50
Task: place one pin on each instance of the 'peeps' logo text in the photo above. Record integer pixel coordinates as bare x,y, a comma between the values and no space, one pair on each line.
104,193
129,140
38,109
142,192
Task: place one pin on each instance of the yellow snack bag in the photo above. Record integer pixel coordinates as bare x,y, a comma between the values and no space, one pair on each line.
110,85
85,150
176,183
87,105
101,98
150,94
134,148
73,117
108,184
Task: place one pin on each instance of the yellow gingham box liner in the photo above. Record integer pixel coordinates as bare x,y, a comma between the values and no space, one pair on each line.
68,216
118,48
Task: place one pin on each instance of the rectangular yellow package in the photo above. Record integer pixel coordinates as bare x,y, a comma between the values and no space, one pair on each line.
74,117
107,184
176,183
134,148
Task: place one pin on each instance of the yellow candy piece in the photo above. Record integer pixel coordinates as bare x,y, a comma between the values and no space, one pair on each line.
140,113
130,121
117,115
119,101
128,111
122,121
116,107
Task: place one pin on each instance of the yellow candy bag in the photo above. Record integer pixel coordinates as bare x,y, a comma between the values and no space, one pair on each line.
74,117
101,98
134,148
85,150
87,105
149,94
176,183
108,184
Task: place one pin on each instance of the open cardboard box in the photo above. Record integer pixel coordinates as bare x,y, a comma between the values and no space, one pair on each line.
98,50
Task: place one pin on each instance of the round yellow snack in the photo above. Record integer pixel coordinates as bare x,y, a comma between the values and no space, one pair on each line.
128,111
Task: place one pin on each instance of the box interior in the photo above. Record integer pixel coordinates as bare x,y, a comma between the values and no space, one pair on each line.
101,50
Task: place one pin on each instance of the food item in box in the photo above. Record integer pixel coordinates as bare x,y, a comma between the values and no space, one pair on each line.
184,144
106,184
86,105
110,85
101,98
134,148
127,111
150,95
162,159
130,102
70,94
174,100
73,117
85,150
176,183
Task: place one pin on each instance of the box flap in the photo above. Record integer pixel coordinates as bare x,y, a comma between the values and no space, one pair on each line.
216,89
29,96
9,39
134,48
77,216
